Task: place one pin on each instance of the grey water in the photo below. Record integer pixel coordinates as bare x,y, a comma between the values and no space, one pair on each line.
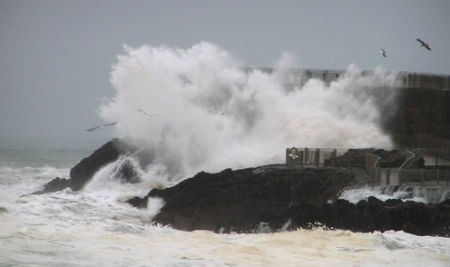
94,227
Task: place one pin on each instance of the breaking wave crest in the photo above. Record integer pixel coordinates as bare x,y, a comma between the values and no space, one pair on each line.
197,109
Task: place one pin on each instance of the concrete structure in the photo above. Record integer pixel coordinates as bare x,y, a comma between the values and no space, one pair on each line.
435,174
405,79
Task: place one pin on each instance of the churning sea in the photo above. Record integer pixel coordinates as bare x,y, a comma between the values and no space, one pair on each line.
94,227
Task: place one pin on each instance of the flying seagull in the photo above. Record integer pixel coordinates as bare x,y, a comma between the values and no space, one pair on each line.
147,116
383,52
101,126
422,43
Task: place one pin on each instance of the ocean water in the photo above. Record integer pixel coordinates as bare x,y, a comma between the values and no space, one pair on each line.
208,115
94,227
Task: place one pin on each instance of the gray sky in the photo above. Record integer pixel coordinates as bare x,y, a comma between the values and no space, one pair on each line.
55,56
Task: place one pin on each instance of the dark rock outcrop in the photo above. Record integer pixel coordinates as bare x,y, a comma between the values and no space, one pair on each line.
239,200
109,152
87,167
54,185
375,215
243,200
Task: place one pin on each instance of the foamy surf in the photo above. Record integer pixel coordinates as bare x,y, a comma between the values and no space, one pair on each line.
212,115
94,227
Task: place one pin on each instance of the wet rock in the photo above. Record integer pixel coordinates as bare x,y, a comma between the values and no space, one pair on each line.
126,172
54,185
109,152
245,200
241,199
82,173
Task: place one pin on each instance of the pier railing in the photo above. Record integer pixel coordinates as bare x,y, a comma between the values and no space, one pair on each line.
435,172
404,79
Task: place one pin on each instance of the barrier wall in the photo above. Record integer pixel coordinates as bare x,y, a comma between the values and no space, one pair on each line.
405,79
437,175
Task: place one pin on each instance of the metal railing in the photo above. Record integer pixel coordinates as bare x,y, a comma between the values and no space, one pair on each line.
367,160
404,79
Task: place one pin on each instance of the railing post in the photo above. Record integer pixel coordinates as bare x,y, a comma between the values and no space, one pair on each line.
300,154
317,157
288,159
306,156
372,175
333,158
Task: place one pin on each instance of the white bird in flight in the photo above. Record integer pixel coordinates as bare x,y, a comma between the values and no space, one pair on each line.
101,126
383,52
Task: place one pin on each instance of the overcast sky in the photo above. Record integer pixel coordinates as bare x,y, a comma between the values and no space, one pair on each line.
55,56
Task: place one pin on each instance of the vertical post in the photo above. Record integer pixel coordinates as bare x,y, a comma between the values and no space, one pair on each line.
300,158
306,156
317,157
367,161
287,157
372,175
333,158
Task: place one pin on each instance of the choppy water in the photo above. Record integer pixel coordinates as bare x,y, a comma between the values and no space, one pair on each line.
95,227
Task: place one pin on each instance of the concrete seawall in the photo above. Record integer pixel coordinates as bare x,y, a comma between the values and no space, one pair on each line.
404,79
421,116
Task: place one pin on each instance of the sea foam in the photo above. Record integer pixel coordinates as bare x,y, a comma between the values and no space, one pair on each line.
209,114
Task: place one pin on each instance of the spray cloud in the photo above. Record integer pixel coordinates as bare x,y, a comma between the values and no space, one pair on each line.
210,114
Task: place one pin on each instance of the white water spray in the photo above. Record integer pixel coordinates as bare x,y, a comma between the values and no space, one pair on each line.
213,115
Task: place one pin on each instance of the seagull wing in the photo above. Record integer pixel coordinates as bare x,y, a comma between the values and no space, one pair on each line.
143,112
148,116
101,126
93,129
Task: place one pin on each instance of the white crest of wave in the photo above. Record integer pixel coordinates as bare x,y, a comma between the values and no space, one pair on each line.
210,114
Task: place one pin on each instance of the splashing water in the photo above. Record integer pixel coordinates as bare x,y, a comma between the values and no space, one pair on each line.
210,114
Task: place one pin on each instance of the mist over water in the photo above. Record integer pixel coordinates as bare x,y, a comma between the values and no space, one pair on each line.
209,114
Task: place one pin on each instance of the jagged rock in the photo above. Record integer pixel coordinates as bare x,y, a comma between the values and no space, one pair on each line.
127,173
243,200
109,152
87,167
375,215
54,185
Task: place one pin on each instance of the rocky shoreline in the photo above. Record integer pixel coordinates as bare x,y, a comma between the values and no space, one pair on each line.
264,199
